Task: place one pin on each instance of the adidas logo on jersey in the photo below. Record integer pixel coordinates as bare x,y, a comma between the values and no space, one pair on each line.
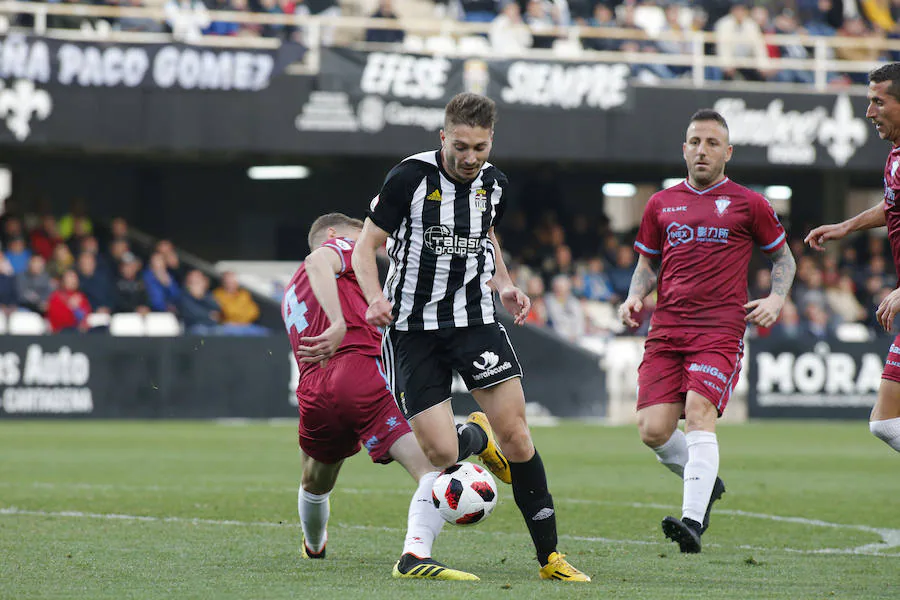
435,195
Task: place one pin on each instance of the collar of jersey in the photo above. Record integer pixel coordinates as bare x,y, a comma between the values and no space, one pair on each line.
709,189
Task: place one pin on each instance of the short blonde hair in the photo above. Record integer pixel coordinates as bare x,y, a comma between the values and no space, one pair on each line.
330,220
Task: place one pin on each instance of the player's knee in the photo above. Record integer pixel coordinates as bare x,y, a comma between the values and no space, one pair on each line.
654,435
315,485
442,457
516,443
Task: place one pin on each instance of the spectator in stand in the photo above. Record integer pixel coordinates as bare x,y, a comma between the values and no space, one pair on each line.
239,309
118,249
564,312
67,307
385,36
173,262
137,23
560,264
118,230
537,316
478,11
12,228
198,309
61,261
843,303
34,285
104,263
45,238
76,222
18,254
813,291
620,275
595,284
602,17
8,296
788,325
509,34
163,291
538,17
683,44
866,51
130,291
95,283
272,7
818,323
786,24
739,37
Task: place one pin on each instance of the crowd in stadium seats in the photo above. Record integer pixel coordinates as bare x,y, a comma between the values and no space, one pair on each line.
577,272
741,27
80,280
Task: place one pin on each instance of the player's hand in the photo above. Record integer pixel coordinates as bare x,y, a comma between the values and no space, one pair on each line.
765,311
823,233
631,305
322,347
379,313
888,310
516,302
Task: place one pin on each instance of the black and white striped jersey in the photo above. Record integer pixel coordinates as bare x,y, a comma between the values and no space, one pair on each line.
441,256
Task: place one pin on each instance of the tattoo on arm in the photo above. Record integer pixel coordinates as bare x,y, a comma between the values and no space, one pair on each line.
644,278
783,269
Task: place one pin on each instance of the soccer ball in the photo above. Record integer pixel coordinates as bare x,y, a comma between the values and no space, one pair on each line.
464,494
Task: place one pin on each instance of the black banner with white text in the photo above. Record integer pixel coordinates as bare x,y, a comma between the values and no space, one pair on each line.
809,378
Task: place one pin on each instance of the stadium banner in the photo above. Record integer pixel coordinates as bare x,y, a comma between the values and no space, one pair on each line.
561,379
391,105
162,66
808,378
97,376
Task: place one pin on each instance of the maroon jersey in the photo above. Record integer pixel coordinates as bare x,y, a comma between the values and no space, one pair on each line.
891,210
304,317
704,240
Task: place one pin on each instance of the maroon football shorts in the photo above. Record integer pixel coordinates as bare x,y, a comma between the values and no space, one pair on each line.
345,406
676,361
892,364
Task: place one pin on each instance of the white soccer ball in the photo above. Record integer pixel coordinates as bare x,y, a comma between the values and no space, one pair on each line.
464,494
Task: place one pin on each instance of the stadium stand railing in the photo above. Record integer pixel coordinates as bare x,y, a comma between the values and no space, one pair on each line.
442,36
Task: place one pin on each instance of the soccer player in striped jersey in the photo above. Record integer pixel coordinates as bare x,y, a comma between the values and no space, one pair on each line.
884,112
343,400
437,211
695,242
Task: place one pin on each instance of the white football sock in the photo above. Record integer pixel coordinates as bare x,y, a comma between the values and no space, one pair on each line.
314,511
699,473
888,431
424,522
674,453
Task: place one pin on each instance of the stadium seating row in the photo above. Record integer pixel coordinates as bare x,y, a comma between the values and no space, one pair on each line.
120,324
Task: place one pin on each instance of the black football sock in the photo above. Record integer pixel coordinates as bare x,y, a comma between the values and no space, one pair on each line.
472,440
529,484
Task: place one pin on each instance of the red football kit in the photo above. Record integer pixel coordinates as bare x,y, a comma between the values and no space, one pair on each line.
892,216
346,404
704,240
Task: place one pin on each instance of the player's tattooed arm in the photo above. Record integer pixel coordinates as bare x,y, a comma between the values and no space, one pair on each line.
783,269
644,278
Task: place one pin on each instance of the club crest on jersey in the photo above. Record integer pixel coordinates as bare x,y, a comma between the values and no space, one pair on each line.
722,203
480,200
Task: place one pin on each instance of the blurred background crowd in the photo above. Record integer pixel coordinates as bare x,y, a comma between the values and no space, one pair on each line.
76,273
740,27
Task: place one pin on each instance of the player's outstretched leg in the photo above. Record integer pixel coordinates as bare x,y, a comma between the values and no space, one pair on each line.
477,427
314,506
505,405
424,523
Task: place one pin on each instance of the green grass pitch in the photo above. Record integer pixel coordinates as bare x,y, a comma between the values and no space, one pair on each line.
208,510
